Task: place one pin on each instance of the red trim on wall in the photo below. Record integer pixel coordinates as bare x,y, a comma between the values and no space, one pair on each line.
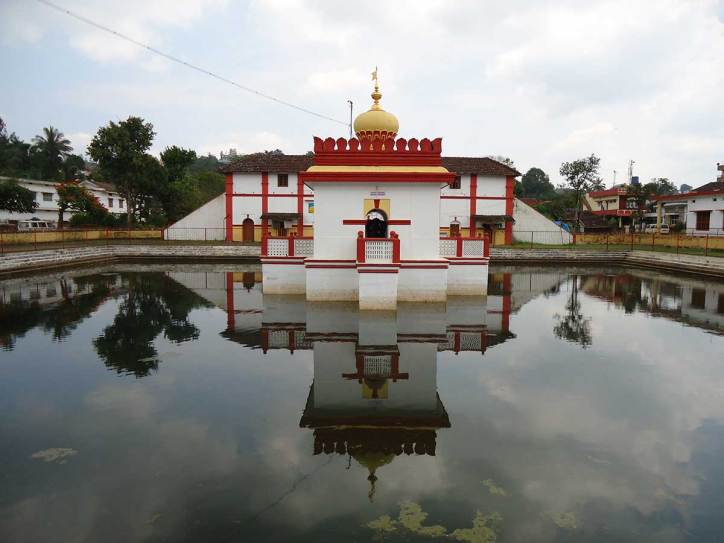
391,222
505,324
229,207
468,197
300,206
413,267
473,204
270,195
377,271
509,186
376,177
230,317
331,266
264,210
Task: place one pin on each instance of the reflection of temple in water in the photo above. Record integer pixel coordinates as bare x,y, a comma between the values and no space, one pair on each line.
374,393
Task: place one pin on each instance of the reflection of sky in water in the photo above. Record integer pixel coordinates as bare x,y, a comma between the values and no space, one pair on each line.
619,441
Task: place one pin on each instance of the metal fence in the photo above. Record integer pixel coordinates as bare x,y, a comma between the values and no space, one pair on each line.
691,241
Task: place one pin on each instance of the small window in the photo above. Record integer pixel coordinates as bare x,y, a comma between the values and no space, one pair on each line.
698,298
455,184
47,197
110,202
35,196
121,203
282,180
702,220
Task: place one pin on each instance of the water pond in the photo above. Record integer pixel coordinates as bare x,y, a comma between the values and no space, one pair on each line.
177,403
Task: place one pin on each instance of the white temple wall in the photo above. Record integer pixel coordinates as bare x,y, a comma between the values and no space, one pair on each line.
422,285
332,284
284,278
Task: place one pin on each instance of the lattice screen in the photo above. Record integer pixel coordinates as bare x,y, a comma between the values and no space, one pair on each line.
473,247
378,251
378,366
448,247
277,247
303,247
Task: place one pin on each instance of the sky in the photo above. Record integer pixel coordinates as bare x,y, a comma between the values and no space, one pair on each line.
537,81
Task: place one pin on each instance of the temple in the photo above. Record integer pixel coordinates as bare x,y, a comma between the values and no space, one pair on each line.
376,237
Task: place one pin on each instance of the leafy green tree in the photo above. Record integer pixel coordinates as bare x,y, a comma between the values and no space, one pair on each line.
51,148
73,167
660,187
535,183
16,159
581,177
120,151
16,199
503,160
207,163
177,161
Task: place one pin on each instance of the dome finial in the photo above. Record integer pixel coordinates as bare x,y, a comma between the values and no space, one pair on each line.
376,123
376,94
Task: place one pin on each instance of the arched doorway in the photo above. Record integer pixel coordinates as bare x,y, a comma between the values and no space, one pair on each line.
376,225
247,230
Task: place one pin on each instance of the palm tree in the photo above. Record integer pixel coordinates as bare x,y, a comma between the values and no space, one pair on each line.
52,147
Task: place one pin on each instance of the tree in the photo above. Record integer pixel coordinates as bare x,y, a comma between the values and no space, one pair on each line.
573,326
51,149
16,199
120,151
15,156
207,163
660,187
177,162
581,176
73,167
536,184
73,197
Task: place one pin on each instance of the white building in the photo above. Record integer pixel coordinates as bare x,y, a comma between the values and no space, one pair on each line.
702,209
46,196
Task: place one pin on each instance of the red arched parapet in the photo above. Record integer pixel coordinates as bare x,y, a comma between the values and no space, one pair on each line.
401,145
437,145
341,144
413,145
377,145
329,145
425,145
389,145
354,145
318,144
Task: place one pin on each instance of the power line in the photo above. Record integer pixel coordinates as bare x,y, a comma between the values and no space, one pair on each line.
187,64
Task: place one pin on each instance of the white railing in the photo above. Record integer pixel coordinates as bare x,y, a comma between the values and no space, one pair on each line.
474,247
378,251
448,247
464,247
377,365
304,247
277,247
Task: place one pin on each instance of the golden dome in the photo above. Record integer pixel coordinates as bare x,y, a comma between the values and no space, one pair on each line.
376,121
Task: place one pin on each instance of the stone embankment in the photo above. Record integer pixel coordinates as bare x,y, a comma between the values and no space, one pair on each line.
56,258
711,266
13,263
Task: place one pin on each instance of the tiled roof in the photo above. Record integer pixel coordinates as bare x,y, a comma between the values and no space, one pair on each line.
261,162
477,165
714,186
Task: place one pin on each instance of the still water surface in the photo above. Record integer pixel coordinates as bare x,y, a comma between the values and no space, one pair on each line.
179,404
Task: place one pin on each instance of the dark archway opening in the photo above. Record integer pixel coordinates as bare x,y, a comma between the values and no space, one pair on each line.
376,225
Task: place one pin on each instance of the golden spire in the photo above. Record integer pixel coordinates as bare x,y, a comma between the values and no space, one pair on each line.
376,123
376,95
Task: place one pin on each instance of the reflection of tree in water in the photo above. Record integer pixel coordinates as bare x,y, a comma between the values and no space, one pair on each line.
60,318
152,304
573,326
